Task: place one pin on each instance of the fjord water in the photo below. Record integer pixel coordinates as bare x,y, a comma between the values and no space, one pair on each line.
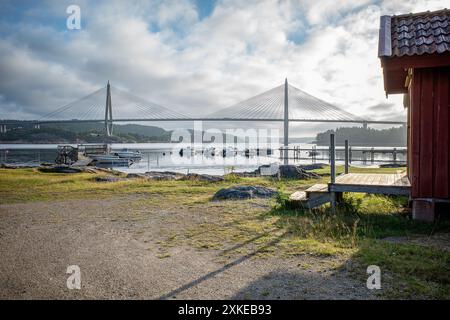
166,157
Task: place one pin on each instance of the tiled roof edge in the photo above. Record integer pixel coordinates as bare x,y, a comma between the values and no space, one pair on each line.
413,15
384,43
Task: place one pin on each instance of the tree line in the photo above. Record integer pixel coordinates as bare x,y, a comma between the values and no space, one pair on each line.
365,136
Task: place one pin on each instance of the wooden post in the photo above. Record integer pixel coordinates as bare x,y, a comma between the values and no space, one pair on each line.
350,155
332,172
372,155
394,155
346,156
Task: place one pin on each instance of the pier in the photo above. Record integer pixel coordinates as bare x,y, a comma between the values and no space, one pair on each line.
387,184
360,154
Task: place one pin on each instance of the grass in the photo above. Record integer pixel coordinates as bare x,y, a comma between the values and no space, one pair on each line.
417,271
269,228
357,228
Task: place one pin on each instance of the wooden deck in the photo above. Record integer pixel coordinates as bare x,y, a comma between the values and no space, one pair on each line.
397,183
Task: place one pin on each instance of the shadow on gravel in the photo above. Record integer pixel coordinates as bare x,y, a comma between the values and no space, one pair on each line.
198,281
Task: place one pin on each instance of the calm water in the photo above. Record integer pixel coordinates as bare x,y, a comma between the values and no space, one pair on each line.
166,157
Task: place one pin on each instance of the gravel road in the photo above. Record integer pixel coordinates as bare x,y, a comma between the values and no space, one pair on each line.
39,240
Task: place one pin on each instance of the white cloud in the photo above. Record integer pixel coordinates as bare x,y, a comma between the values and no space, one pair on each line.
162,51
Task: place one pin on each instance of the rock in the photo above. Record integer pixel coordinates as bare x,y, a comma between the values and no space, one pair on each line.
107,179
165,175
12,166
249,174
296,172
60,169
91,169
244,192
313,166
169,175
202,177
136,175
287,171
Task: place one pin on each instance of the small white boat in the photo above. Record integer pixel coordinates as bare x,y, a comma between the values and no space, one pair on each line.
134,155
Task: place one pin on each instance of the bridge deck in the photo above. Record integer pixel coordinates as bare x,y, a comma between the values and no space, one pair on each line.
397,183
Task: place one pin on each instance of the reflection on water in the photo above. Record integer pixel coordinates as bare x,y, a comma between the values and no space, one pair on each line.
166,157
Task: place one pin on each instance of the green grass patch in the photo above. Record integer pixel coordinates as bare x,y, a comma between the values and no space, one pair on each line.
418,272
267,227
357,228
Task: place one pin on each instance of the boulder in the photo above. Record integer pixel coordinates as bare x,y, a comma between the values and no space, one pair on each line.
296,172
107,179
12,166
169,175
244,192
202,177
60,169
165,175
312,166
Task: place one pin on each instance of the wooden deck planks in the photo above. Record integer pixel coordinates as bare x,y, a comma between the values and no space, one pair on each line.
318,188
397,183
374,179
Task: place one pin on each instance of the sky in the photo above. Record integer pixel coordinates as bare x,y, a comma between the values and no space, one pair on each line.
197,56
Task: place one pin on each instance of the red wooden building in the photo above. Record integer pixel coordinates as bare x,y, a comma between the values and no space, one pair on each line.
415,56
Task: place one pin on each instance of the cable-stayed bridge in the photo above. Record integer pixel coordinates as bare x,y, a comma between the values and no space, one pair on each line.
284,103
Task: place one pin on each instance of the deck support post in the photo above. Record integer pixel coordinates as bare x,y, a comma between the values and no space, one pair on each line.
332,171
346,156
286,123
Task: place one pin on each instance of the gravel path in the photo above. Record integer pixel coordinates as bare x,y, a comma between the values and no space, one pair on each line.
38,241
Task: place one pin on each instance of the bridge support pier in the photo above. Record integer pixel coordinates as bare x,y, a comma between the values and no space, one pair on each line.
37,126
2,128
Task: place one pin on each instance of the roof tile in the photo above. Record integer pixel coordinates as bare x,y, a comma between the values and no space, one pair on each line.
417,34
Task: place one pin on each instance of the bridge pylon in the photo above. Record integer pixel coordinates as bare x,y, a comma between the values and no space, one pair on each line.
108,112
286,122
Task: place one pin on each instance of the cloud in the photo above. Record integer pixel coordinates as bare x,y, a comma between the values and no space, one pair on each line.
163,52
382,107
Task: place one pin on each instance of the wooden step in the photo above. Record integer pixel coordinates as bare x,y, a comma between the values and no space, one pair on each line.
298,196
312,197
318,200
318,188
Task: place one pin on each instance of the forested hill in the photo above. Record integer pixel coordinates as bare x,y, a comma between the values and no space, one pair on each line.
83,132
365,137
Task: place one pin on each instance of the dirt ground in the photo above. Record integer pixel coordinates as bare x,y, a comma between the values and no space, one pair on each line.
117,245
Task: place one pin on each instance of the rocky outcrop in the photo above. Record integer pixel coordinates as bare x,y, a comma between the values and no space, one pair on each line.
287,171
12,166
107,179
244,192
169,175
296,172
60,169
202,177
